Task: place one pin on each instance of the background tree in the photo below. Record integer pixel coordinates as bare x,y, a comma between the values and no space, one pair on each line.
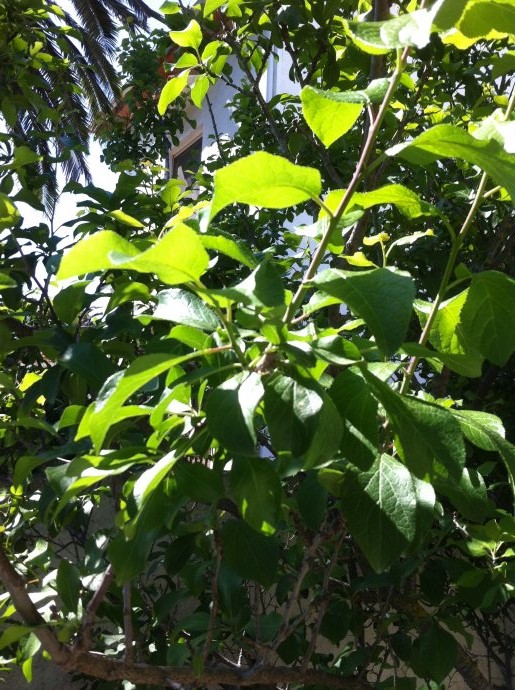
59,75
306,474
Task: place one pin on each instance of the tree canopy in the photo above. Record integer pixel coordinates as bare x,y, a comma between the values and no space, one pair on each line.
243,450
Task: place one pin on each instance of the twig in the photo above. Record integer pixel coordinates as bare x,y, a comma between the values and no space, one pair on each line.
127,623
84,639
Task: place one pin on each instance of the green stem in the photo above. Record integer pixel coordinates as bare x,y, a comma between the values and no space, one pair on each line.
444,285
359,173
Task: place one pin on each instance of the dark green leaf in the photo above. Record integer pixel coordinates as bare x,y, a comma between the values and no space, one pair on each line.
249,553
68,585
366,293
448,141
257,490
387,509
181,306
230,412
425,433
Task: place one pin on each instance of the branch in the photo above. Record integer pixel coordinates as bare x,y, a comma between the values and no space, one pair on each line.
100,666
84,640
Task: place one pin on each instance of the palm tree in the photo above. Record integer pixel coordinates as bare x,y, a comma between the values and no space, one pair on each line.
59,74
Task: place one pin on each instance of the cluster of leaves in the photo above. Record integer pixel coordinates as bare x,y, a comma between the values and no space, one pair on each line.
246,455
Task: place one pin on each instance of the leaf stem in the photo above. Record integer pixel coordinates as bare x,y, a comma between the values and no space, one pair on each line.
359,173
444,285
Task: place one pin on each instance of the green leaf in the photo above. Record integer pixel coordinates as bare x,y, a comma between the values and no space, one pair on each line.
301,421
124,218
408,203
230,412
262,288
181,306
312,501
257,490
366,293
387,509
250,554
198,482
129,556
358,409
70,300
425,433
413,29
178,257
13,633
263,179
488,318
487,432
150,479
6,282
292,412
199,89
68,585
478,427
330,114
24,156
190,37
88,361
9,214
235,249
171,91
448,336
434,653
448,141
100,415
468,494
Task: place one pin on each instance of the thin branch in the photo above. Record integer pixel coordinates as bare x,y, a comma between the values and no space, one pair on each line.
127,623
84,640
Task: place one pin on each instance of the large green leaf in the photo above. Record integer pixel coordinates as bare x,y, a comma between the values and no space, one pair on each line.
257,490
477,18
263,179
429,439
448,141
330,114
301,421
488,316
250,554
434,653
177,257
181,306
358,409
150,479
366,293
262,288
408,202
100,415
230,412
236,249
448,336
68,585
387,509
487,432
468,494
9,214
190,37
413,29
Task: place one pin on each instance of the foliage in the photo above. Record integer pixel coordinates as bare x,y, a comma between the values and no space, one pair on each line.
238,450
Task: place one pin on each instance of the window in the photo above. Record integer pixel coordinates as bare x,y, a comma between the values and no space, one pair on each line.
185,159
